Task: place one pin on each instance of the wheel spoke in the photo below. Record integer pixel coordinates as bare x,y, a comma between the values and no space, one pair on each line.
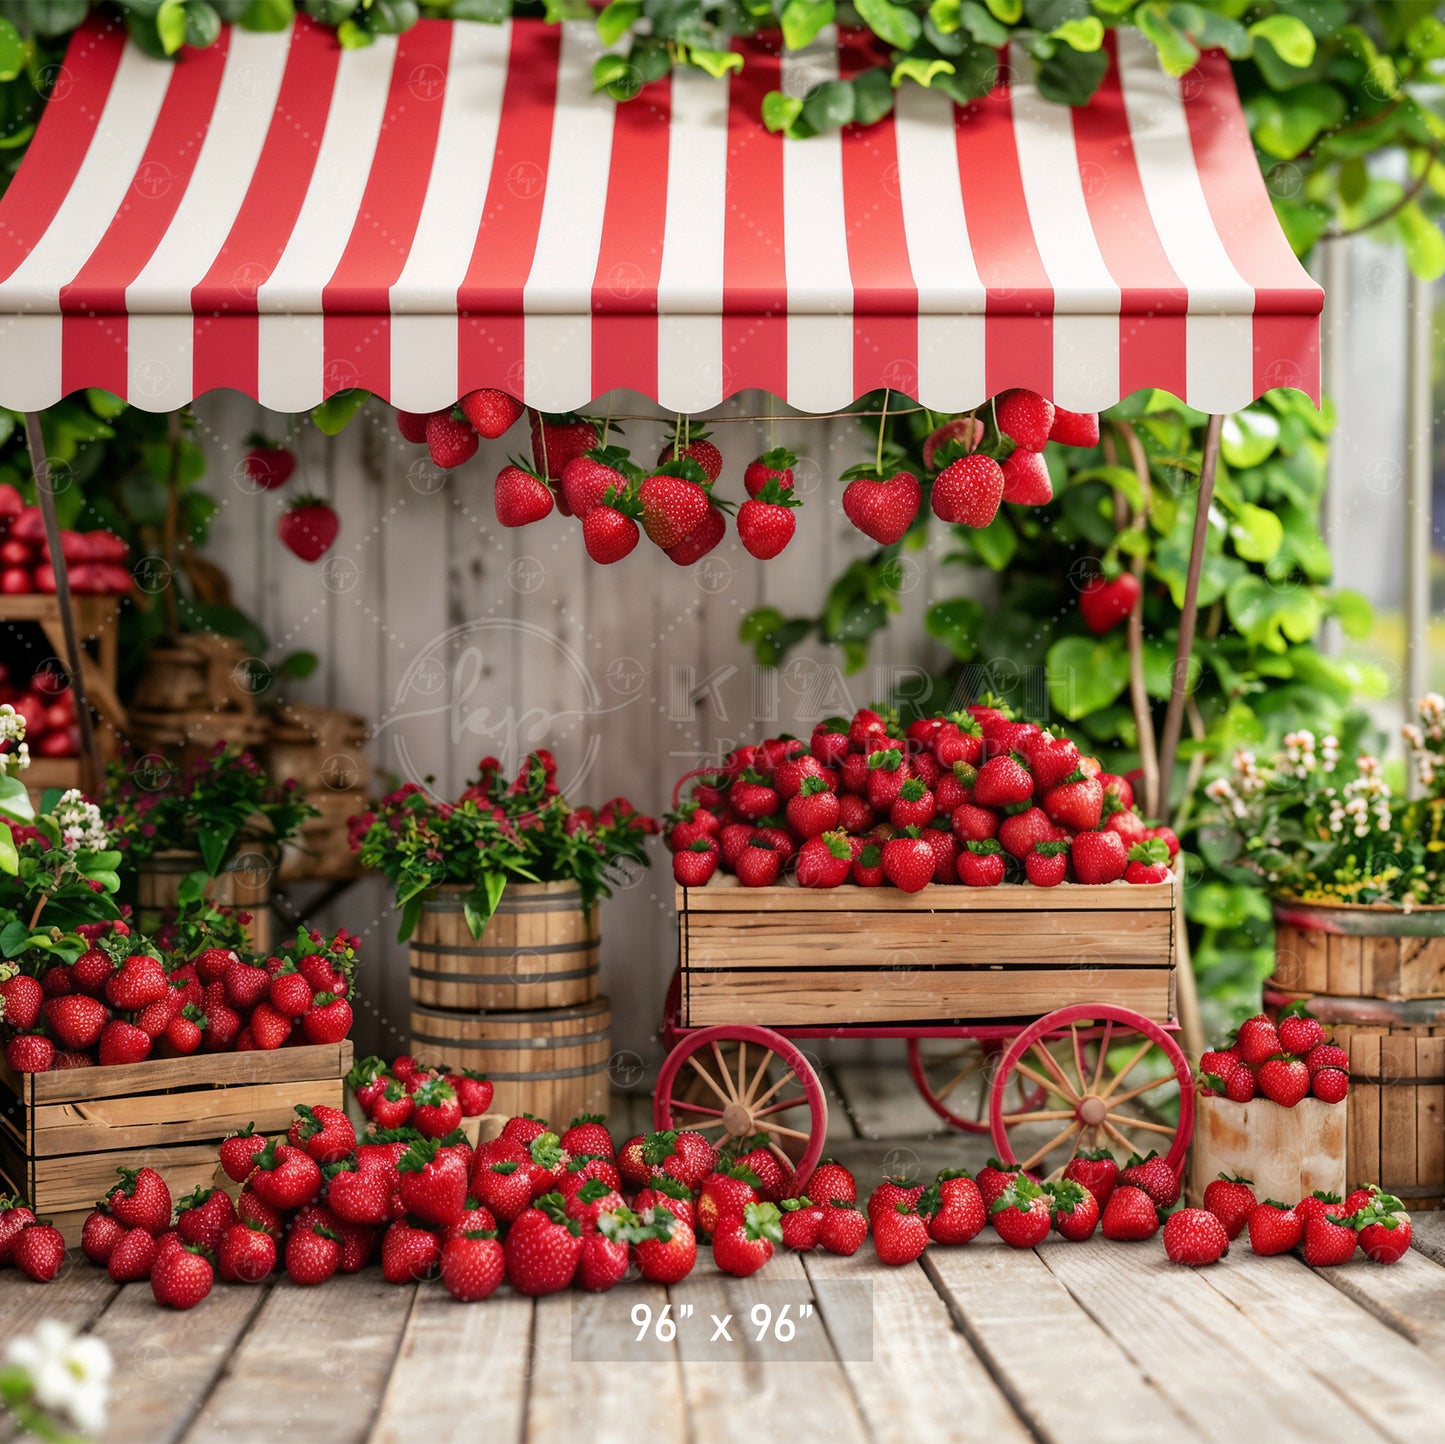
756,1079
696,1108
708,1079
781,1152
757,1103
1126,1122
1133,1093
1052,1064
1053,1143
1047,1084
722,1071
1047,1115
1128,1068
1103,1054
966,1072
781,1131
1074,1051
1117,1136
708,1127
787,1103
742,1064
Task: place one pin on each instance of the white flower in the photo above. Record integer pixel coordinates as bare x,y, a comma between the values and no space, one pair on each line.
69,1374
81,826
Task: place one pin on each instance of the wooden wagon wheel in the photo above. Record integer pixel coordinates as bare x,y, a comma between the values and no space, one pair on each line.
1128,1072
735,1082
955,1077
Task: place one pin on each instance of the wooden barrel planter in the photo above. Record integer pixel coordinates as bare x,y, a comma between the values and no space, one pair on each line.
244,883
552,1063
1352,950
539,950
1396,1104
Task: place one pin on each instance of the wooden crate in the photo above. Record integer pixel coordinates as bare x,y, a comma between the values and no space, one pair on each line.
851,956
63,1135
1355,951
1287,1153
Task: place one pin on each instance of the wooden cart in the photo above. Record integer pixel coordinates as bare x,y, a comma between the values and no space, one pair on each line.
1050,1011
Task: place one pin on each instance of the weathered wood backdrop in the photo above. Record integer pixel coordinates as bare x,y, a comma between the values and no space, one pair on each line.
458,638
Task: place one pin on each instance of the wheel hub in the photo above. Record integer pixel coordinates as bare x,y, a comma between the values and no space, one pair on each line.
737,1120
1092,1110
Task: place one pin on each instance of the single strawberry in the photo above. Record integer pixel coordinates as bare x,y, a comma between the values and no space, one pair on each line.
694,865
843,1228
666,1248
1148,862
1002,781
313,1254
981,864
1075,1209
14,1216
99,1235
21,998
433,1183
1330,1085
359,1195
1098,1171
908,863
75,1021
1329,1241
203,1215
436,1109
891,1191
766,523
813,809
700,540
39,1252
972,823
724,1194
682,1154
1154,1175
490,411
246,1254
1319,1203
913,805
967,492
267,464
1025,417
608,535
186,1031
1274,1228
883,509
1284,1080
1231,1200
1104,602
744,1242
825,861
1020,1214
772,466
994,1177
140,1200
1077,802
450,438
802,1223
473,1265
1384,1229
310,527
945,854
1130,1215
1240,1086
953,1208
30,1053
1022,828
1195,1237
409,1253
325,1133
520,496
1026,480
1299,1031
668,1193
140,982
673,506
900,1234
1327,1055
328,1020
1047,863
269,1029
1099,858
759,864
698,450
286,1178
133,1257
557,439
238,1153
1075,428
830,1182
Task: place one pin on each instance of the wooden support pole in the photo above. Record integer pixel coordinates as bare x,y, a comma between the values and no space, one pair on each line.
1189,614
75,657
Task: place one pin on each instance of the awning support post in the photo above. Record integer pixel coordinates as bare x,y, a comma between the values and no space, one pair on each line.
75,658
1191,1024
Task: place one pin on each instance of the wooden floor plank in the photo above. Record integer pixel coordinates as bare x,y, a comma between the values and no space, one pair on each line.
884,1103
78,1297
165,1361
1347,1352
1429,1234
1409,1296
912,1338
433,1391
313,1365
1216,1364
597,1396
797,1399
1057,1364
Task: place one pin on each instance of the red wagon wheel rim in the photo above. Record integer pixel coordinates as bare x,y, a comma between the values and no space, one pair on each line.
768,1088
1086,1106
960,1089
671,1010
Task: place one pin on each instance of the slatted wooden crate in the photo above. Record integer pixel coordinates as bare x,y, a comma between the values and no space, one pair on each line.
64,1134
793,957
1355,951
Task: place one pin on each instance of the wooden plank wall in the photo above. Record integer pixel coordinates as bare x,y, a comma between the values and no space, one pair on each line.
461,638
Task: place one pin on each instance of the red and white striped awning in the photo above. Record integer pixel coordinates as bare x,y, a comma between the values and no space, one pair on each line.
454,208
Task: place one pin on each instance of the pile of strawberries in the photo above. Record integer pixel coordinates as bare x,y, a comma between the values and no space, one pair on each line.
47,704
95,560
121,1002
574,471
1284,1059
976,797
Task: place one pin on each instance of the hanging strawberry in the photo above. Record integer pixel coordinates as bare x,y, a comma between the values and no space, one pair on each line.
968,491
450,438
775,465
609,530
674,502
690,445
701,540
765,523
1075,428
557,439
267,464
308,528
881,509
586,478
491,412
522,496
1025,417
1026,479
961,435
1105,602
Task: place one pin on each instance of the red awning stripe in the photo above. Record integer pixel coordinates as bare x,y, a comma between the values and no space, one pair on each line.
455,207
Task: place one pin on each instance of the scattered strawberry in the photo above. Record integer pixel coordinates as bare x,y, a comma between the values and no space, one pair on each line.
1274,1228
1020,1214
1196,1237
1154,1175
744,1242
1075,1210
1329,1241
953,1207
1098,1171
843,1228
521,497
666,1248
1130,1215
1231,1200
1384,1229
765,523
1148,862
774,466
39,1252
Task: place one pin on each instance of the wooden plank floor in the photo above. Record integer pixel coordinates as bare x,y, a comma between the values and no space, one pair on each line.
1065,1343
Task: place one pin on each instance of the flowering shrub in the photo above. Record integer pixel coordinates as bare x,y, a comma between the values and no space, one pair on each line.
494,832
214,807
54,1382
1312,828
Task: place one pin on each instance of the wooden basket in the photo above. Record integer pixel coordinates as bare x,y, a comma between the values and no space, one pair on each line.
1287,1153
63,1134
321,847
553,1063
320,748
245,883
1356,951
539,950
788,956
